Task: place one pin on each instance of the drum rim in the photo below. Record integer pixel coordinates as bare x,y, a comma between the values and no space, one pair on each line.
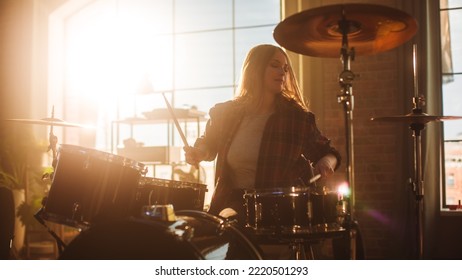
63,220
322,228
108,157
278,191
145,182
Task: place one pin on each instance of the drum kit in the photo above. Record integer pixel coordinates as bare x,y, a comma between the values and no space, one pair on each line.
122,214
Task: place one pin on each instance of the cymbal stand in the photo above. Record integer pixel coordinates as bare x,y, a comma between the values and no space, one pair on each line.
346,78
53,141
59,242
417,182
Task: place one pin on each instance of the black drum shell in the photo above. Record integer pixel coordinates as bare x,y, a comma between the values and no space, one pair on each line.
90,185
182,195
277,210
294,210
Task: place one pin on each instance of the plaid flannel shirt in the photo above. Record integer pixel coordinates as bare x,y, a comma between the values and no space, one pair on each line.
290,132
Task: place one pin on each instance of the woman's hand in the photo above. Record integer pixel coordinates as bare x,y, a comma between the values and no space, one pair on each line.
194,155
325,166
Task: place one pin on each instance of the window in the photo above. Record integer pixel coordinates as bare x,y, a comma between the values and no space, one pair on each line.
191,50
451,50
450,180
112,59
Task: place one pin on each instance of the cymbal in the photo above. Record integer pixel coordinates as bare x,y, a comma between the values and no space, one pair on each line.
371,29
49,121
416,118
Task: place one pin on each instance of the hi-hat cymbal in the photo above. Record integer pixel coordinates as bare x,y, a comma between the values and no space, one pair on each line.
416,118
371,29
50,121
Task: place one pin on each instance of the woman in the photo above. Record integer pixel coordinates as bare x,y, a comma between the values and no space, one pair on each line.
264,137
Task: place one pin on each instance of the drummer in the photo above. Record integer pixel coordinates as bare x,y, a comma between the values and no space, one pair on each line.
264,138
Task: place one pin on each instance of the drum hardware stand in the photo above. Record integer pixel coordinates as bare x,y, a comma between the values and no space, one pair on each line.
61,245
417,182
346,78
417,120
298,248
53,139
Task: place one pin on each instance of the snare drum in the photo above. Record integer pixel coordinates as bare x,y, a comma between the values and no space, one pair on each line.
192,235
292,210
280,210
90,185
328,211
182,195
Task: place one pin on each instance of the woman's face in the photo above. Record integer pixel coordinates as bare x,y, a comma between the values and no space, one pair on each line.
276,73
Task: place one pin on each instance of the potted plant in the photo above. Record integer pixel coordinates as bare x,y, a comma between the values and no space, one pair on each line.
20,168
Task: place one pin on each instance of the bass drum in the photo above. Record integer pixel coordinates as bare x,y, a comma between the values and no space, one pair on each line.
194,235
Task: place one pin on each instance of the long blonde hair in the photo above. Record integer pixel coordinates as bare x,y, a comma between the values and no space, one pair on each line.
250,89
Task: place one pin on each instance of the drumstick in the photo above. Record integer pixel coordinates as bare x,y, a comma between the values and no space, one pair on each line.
175,120
315,178
178,127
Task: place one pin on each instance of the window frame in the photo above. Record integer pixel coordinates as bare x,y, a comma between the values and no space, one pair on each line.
445,187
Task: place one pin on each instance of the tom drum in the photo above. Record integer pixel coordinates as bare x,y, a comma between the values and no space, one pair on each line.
182,195
90,185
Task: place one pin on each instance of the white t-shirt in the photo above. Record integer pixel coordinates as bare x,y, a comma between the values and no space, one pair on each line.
243,152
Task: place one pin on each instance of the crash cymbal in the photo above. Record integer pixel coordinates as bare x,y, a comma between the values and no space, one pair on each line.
371,29
416,118
49,121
